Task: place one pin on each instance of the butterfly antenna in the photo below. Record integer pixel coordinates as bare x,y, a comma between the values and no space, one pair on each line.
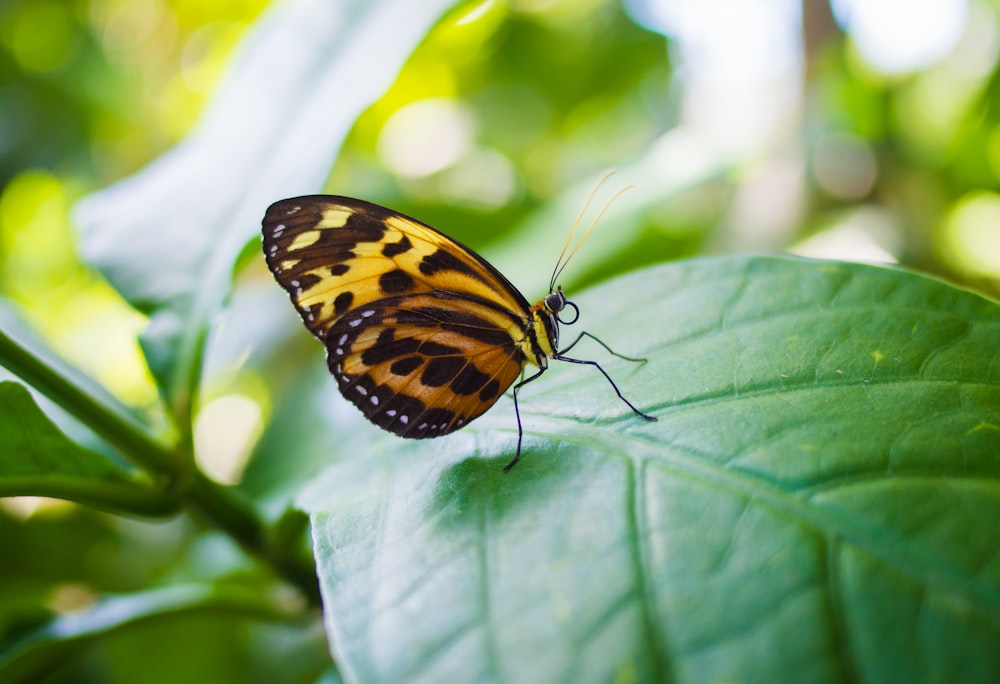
576,224
561,263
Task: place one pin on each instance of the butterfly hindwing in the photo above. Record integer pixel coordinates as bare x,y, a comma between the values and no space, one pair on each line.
422,334
422,365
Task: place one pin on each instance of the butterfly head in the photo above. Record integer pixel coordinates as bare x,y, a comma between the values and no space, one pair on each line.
554,304
546,315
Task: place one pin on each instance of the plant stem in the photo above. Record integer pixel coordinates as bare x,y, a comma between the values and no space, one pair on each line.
223,508
217,505
112,422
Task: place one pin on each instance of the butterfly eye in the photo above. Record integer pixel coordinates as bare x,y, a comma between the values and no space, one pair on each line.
555,301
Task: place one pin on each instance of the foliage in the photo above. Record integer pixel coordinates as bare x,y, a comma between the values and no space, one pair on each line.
818,498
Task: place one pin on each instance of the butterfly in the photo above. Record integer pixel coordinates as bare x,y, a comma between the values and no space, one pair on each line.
421,333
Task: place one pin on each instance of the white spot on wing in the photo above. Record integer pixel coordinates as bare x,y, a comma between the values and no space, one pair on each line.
361,390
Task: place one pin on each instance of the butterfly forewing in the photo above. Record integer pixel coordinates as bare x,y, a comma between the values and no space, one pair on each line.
334,254
422,334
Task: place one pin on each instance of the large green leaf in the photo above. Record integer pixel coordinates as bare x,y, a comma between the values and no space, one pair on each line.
819,500
167,238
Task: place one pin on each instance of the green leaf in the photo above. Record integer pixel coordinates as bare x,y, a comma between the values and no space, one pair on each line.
73,392
37,459
167,238
66,638
820,498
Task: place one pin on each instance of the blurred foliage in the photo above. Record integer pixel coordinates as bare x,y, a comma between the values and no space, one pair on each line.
501,107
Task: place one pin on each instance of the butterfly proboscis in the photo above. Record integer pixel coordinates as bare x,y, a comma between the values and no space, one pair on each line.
422,334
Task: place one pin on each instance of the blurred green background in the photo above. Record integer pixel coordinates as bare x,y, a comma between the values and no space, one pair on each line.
854,130
873,138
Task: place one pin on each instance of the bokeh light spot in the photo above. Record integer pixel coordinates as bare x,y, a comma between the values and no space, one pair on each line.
484,180
867,234
425,137
972,234
844,166
40,35
224,434
899,36
135,34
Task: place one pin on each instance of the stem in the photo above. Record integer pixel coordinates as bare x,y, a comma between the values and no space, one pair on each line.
113,423
223,508
113,497
219,506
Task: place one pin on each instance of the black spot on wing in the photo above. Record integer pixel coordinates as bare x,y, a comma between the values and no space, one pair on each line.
307,280
444,261
386,348
469,381
395,281
343,302
396,248
430,348
442,370
406,365
380,351
360,227
490,392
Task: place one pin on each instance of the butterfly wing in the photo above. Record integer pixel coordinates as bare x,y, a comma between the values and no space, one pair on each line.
422,334
335,254
422,365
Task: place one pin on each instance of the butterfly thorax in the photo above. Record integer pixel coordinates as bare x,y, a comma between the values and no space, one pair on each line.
542,339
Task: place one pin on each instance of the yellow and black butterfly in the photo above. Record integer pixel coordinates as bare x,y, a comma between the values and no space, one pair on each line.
422,334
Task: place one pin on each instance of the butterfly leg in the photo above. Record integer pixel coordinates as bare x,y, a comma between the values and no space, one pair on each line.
560,357
517,413
600,342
